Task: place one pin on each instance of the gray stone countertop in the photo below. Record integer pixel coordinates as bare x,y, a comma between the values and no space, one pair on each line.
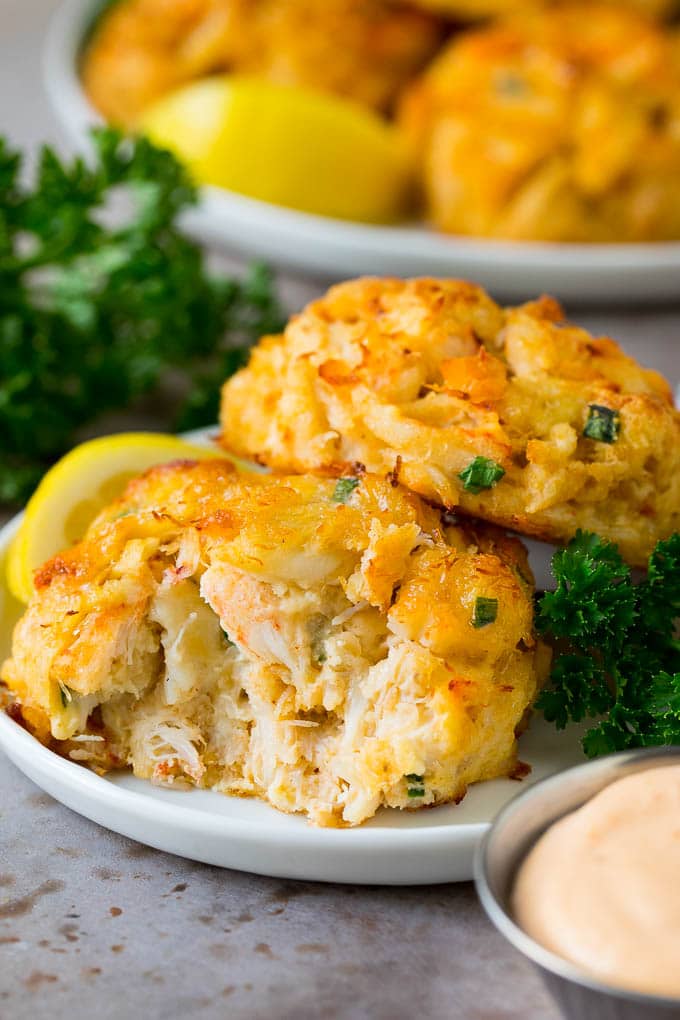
95,926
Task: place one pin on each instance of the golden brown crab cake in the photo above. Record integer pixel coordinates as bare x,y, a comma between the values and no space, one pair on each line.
560,125
514,415
329,645
364,49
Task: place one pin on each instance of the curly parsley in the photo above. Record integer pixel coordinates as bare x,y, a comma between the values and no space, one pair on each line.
620,655
93,315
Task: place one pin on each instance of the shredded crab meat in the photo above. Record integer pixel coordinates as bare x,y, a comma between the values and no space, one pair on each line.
348,613
425,541
170,747
191,618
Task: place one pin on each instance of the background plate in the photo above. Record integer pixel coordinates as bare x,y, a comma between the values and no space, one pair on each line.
394,848
614,273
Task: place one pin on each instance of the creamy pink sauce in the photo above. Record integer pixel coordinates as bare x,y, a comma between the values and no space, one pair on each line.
602,886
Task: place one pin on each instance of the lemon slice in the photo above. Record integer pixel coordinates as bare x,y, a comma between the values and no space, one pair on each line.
74,491
287,145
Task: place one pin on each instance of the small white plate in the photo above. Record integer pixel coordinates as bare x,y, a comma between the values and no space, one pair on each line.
394,848
323,247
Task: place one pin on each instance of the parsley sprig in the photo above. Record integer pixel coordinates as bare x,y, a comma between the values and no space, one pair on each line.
619,652
97,304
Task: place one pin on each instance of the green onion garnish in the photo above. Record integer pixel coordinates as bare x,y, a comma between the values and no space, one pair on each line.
481,474
418,788
485,612
344,487
603,424
65,695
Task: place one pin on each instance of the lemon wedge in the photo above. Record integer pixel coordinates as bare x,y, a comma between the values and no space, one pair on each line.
74,491
287,145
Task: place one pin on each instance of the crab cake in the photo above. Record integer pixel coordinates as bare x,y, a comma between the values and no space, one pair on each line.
144,48
561,125
514,415
328,645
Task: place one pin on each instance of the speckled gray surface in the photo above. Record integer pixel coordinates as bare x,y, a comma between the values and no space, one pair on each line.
94,925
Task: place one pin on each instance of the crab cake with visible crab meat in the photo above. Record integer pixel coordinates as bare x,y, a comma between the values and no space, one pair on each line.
514,415
329,645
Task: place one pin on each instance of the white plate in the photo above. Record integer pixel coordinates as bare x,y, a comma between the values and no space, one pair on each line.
394,848
616,273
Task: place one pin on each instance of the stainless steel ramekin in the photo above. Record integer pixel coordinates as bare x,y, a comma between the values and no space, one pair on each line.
513,833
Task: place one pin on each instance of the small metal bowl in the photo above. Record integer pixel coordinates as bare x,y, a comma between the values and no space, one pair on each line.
515,830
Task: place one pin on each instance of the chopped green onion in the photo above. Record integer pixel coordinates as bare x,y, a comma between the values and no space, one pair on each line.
486,611
603,424
418,789
318,629
509,84
66,695
344,488
481,474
